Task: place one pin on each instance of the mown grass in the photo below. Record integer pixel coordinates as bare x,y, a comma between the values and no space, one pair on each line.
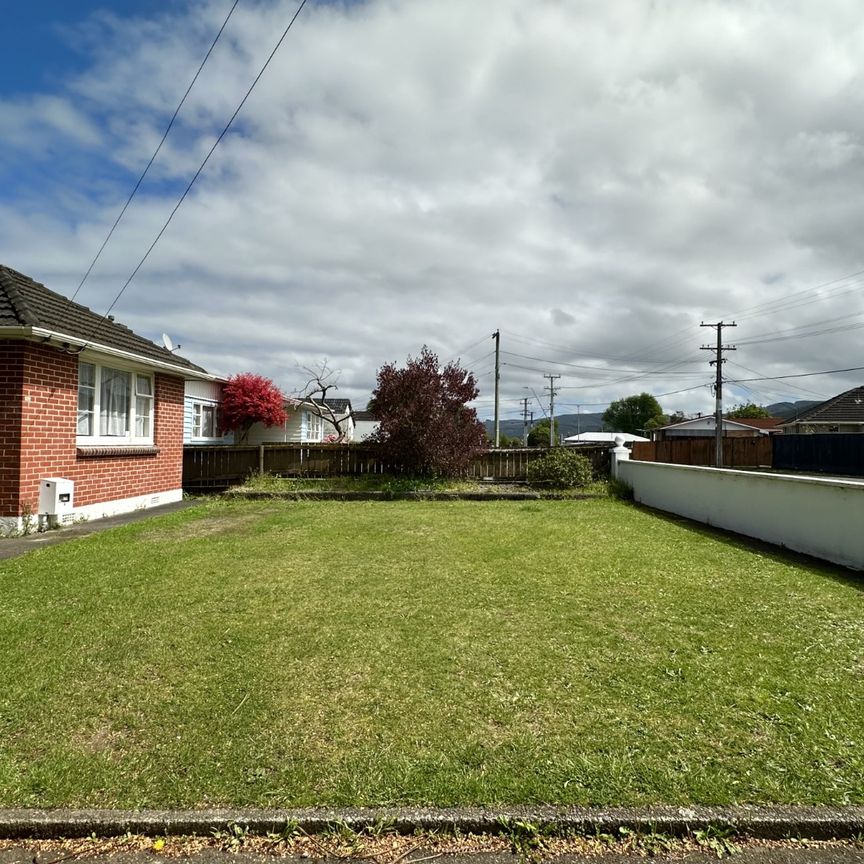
382,653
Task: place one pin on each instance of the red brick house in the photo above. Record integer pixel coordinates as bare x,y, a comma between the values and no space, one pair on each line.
86,399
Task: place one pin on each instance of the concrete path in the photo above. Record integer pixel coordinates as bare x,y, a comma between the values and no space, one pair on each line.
12,547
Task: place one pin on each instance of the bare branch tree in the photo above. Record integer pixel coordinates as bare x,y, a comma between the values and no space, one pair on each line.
313,395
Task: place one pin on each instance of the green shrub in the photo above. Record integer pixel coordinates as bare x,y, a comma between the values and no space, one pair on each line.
620,489
561,468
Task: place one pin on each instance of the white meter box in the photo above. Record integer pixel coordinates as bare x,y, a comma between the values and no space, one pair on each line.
56,496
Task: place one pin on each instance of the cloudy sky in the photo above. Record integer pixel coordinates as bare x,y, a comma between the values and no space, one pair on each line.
594,179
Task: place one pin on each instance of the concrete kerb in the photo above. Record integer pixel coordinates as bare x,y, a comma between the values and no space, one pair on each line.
769,823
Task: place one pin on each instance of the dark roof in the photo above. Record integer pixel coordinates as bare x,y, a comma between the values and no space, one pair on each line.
848,407
758,422
365,415
340,406
337,406
27,303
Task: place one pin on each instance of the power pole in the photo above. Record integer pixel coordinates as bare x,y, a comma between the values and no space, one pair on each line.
719,348
497,337
552,392
525,421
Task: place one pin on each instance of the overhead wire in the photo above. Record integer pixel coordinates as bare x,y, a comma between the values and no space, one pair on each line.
156,152
197,174
757,372
797,375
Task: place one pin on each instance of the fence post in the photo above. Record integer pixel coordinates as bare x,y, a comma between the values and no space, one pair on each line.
619,454
261,459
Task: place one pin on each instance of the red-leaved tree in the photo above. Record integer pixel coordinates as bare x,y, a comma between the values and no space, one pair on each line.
248,398
425,426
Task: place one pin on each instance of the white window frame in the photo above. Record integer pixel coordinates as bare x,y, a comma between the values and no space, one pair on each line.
129,439
198,409
314,427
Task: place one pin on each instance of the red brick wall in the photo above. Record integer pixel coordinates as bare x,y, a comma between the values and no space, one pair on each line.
47,448
11,376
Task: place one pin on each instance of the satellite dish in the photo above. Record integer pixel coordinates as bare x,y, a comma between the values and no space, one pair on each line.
166,341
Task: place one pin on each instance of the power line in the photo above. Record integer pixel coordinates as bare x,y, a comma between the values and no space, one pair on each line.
155,153
198,172
467,364
796,299
799,375
482,339
602,369
796,386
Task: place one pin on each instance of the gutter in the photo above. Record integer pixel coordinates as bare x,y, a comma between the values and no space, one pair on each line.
62,339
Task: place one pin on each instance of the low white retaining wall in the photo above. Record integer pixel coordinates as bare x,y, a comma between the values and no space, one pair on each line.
815,515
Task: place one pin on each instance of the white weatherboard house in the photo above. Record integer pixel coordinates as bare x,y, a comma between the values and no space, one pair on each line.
201,401
304,426
703,427
364,425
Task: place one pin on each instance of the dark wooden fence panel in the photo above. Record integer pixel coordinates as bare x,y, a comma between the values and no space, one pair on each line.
221,466
217,466
821,453
737,452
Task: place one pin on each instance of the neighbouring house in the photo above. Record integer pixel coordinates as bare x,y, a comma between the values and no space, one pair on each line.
704,427
768,425
365,425
201,413
603,438
842,413
86,400
304,425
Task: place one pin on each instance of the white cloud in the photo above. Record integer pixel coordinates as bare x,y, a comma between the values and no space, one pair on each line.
602,175
43,121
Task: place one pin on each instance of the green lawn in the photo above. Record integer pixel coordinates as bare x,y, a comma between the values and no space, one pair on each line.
381,653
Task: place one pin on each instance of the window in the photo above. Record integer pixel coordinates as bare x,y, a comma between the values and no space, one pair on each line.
203,421
313,427
121,400
86,398
143,406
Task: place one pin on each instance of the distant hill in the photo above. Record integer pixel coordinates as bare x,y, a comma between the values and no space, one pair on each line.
790,409
569,424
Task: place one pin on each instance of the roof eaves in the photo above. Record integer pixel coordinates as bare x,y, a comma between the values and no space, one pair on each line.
190,371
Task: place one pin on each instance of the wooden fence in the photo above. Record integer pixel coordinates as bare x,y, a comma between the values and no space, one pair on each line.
737,452
823,453
222,466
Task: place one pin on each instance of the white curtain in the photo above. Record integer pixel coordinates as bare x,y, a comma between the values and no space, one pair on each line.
114,402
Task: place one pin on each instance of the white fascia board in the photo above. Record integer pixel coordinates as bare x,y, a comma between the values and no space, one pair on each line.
182,371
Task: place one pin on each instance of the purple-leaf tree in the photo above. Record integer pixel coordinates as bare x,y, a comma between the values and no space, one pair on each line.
425,425
248,398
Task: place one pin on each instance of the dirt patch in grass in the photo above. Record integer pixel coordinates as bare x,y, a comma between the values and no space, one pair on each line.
209,526
99,741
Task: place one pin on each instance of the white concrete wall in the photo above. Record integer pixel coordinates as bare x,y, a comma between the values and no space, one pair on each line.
364,428
815,515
